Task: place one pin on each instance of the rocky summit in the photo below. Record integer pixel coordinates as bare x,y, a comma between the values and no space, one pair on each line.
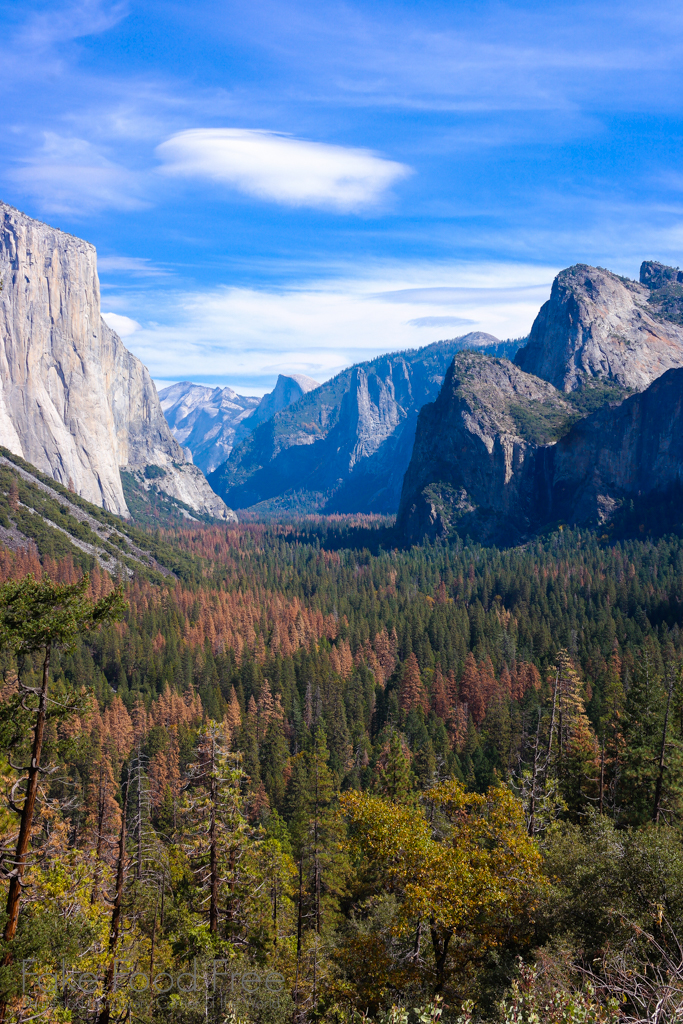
619,454
599,327
74,402
288,389
344,446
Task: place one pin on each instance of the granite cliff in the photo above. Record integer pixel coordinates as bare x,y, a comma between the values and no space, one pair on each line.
73,401
344,446
473,467
598,326
288,389
621,453
497,457
209,422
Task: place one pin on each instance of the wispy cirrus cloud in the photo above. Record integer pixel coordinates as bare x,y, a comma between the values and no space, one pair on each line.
440,321
280,168
475,58
242,336
130,266
73,176
42,29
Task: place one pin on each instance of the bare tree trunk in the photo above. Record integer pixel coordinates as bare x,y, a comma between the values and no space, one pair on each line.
115,928
316,864
17,873
440,945
415,955
299,927
138,870
27,811
101,808
662,755
151,962
534,774
552,717
213,847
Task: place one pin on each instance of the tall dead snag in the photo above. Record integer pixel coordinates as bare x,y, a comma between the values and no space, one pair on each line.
117,903
38,617
217,833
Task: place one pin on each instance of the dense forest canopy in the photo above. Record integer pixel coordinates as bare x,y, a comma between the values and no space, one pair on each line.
317,778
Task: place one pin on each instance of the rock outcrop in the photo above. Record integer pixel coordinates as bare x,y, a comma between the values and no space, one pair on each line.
289,388
207,422
598,326
619,453
500,455
473,468
344,446
73,401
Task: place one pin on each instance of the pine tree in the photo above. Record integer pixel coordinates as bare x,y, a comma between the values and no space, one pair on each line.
40,617
412,693
316,834
471,691
393,776
440,705
274,757
216,834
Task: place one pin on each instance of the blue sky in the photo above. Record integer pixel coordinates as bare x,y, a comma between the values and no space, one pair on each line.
296,186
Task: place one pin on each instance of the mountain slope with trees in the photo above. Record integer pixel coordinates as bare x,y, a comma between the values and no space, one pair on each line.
344,446
308,759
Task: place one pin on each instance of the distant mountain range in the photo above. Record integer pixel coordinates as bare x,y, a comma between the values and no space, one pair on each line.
344,446
585,426
209,422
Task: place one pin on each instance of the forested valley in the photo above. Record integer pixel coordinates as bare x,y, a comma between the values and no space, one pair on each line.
306,777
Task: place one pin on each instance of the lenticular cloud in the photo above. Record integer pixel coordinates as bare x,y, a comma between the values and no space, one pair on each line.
280,168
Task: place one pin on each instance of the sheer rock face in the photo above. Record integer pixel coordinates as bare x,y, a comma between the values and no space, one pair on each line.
621,452
73,401
345,446
473,467
478,468
288,389
598,325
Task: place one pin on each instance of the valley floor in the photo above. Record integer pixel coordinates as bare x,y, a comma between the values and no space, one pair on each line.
309,776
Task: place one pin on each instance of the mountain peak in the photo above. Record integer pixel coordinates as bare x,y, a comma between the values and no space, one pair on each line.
289,388
597,325
305,383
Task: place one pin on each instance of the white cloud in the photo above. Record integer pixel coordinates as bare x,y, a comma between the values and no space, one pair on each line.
244,335
80,18
440,321
123,325
134,266
71,175
277,167
456,296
